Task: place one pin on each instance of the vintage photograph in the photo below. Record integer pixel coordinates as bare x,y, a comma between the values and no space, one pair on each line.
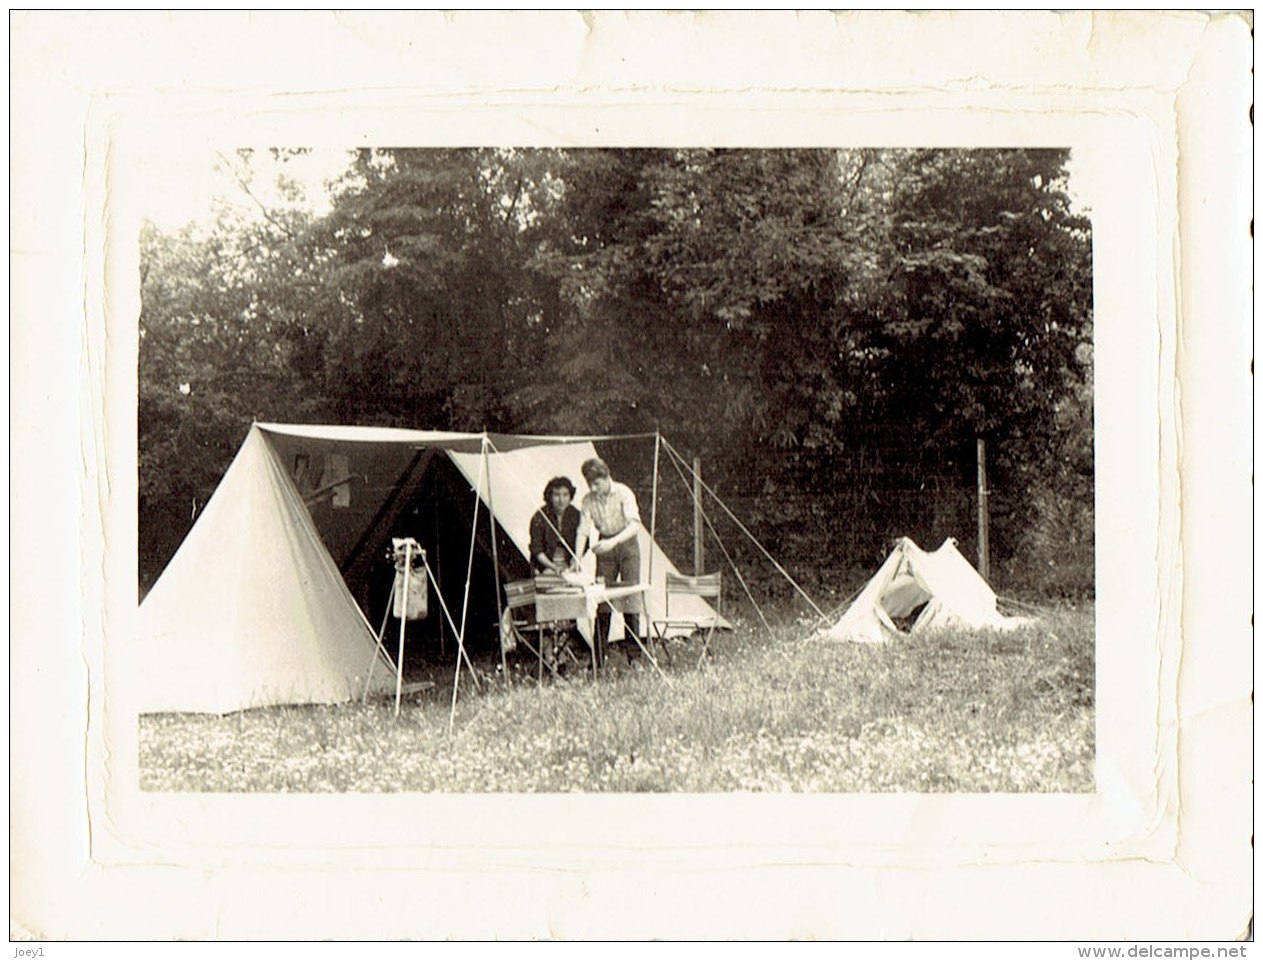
616,470
631,475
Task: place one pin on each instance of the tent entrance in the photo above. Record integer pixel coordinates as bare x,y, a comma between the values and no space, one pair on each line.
438,513
394,490
907,622
904,598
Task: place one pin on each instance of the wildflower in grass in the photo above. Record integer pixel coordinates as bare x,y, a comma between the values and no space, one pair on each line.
931,715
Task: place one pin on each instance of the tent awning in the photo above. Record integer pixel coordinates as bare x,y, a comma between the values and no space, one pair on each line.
436,439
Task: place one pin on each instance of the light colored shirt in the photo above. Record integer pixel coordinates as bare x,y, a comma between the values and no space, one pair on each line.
611,513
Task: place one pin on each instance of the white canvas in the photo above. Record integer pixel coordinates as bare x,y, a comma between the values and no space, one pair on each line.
516,490
252,611
952,591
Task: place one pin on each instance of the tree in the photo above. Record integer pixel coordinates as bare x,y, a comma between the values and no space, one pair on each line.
434,312
711,271
987,331
991,281
226,337
866,314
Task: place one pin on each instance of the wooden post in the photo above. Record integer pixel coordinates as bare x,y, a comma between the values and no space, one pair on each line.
653,506
984,559
699,547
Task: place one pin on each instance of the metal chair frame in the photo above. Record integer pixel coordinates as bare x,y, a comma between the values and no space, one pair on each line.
709,587
519,595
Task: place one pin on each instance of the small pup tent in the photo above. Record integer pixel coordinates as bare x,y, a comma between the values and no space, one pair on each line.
269,598
916,591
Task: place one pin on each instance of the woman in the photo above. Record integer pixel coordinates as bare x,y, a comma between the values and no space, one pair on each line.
555,529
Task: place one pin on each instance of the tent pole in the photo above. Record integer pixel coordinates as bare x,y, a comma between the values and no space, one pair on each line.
438,562
495,557
464,612
403,623
446,613
381,633
754,540
555,529
723,550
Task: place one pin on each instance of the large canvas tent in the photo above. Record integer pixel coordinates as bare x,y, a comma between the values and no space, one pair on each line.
915,591
272,597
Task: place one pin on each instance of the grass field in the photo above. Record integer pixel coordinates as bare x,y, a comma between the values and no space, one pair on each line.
1010,712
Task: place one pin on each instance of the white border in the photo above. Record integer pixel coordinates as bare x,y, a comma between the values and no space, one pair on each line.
1113,862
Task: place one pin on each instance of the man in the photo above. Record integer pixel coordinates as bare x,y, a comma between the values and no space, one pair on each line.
610,509
555,529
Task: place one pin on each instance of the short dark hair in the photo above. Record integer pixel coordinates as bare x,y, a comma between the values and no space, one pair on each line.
558,482
594,468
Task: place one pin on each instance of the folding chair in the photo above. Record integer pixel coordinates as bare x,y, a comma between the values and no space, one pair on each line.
709,587
520,598
565,603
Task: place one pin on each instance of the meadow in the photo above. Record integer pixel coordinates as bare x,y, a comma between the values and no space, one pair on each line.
779,711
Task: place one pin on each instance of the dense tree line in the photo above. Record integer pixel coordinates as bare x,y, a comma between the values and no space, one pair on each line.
829,330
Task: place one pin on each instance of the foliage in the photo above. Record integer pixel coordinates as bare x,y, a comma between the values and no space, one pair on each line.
224,330
432,314
829,330
821,304
942,713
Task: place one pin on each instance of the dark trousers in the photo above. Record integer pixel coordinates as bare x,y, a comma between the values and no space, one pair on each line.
621,565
